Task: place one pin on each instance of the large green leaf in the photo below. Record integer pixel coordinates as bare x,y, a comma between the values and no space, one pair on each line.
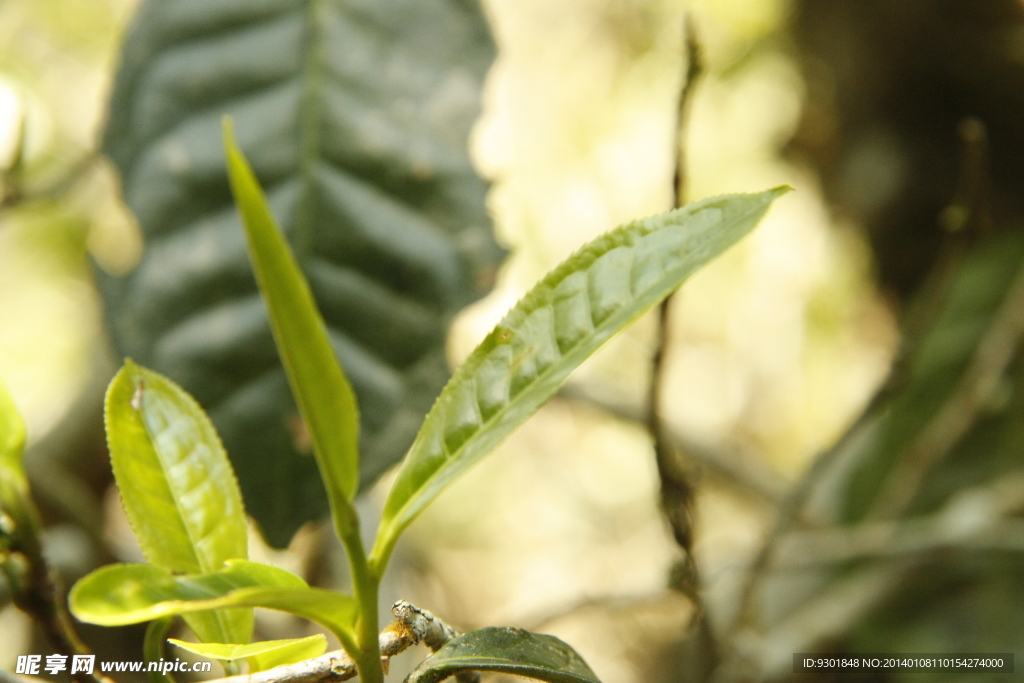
509,651
177,486
263,655
132,593
325,397
577,307
355,115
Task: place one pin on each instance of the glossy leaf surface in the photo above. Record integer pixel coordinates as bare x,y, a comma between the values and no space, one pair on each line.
176,485
577,307
510,651
262,655
172,472
326,402
132,593
355,115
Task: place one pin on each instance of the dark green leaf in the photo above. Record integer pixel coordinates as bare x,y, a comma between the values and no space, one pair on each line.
509,651
131,593
325,398
177,485
559,323
355,116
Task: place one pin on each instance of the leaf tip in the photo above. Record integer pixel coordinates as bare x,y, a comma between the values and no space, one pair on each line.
227,125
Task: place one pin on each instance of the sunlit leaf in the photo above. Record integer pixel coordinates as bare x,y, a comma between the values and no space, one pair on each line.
13,483
12,436
263,655
131,593
21,525
322,391
177,486
510,651
355,115
583,302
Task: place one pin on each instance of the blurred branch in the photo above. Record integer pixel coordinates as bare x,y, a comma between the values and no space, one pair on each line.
695,69
15,192
605,603
974,519
880,540
411,626
739,468
767,654
34,587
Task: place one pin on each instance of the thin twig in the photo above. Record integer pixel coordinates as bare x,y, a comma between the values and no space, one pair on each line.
978,520
605,603
412,625
676,487
14,194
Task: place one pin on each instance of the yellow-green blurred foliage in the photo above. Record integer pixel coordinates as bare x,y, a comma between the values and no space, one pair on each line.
774,347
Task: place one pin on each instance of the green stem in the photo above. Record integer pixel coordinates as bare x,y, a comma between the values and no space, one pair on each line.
365,587
153,648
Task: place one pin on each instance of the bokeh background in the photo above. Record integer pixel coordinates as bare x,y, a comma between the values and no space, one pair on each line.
773,350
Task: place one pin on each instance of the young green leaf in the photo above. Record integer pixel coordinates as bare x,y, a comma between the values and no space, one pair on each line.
13,483
12,436
510,651
263,655
177,486
560,322
132,593
22,525
322,391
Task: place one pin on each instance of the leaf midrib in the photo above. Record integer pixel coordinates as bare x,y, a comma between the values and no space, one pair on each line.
309,122
218,614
